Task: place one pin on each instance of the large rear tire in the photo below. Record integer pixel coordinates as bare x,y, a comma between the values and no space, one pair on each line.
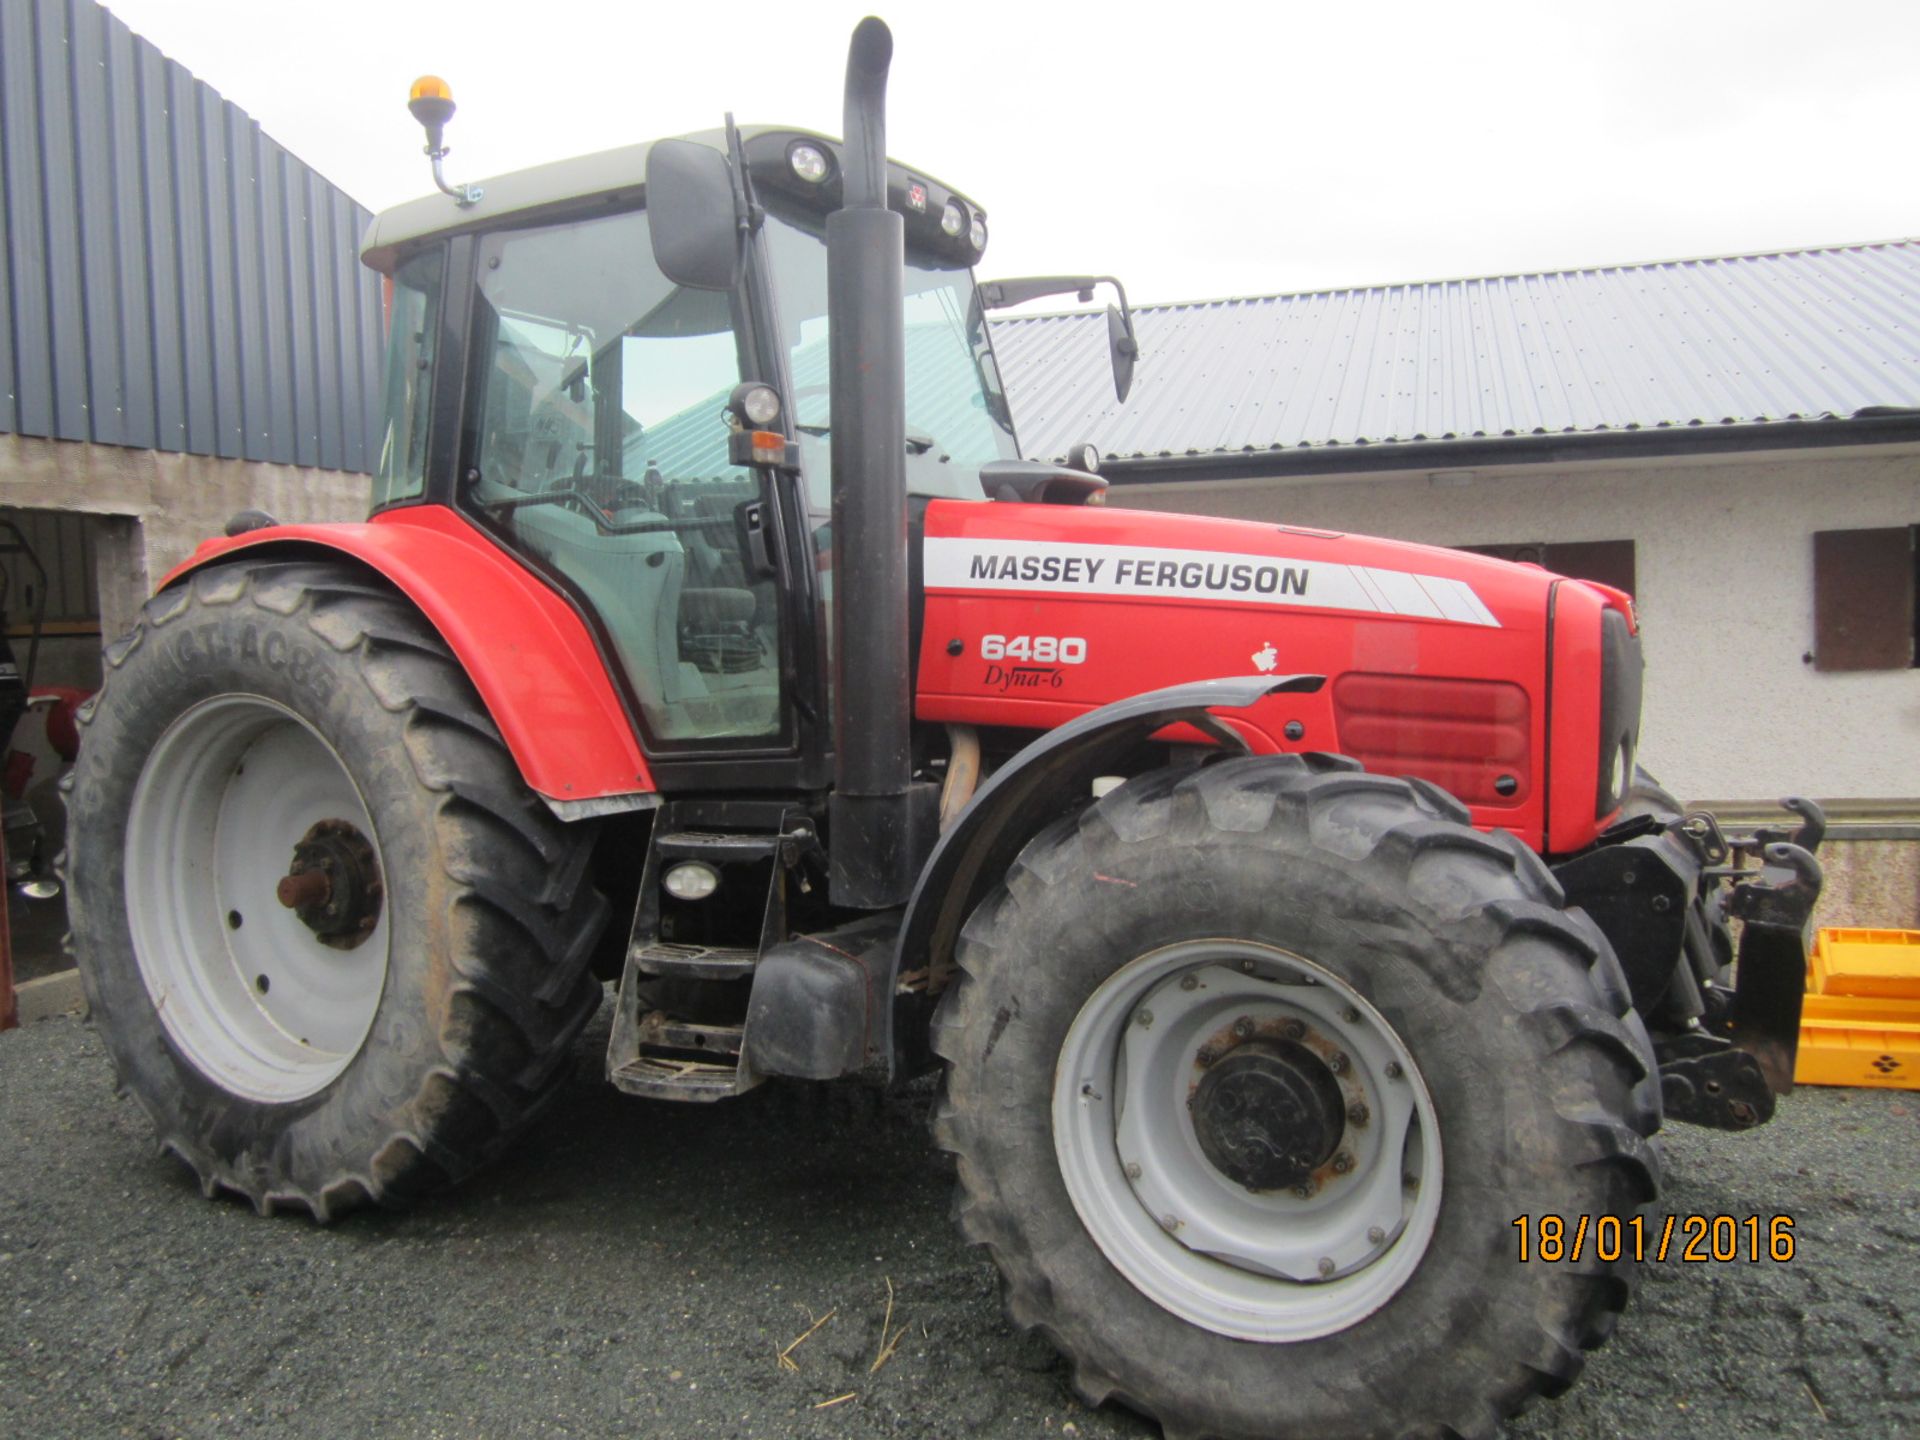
368,1037
1445,1050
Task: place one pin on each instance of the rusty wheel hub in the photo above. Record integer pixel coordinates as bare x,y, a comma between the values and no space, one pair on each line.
1269,1114
334,884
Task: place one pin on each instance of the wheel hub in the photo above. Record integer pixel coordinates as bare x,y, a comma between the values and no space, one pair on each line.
334,884
1269,1114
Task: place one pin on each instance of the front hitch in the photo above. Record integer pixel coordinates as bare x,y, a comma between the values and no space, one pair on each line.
1663,893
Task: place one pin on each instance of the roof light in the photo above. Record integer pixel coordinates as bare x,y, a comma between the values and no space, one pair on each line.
977,232
953,219
809,162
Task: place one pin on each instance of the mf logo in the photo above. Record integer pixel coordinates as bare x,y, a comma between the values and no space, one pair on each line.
1265,658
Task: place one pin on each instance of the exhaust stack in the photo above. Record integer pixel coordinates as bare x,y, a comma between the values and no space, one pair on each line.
879,835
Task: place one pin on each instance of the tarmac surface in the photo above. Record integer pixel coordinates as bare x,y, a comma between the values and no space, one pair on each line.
635,1269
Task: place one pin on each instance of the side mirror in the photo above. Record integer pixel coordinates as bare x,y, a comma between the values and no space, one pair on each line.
1122,348
698,240
1122,345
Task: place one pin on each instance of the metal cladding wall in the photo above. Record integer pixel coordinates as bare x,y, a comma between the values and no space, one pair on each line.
173,279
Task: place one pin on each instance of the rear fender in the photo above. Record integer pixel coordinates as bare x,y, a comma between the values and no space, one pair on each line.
526,649
1024,795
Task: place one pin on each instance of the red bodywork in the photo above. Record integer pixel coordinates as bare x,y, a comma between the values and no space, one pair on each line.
1437,661
527,651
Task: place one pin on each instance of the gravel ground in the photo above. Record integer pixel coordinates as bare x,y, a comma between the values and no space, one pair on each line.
635,1268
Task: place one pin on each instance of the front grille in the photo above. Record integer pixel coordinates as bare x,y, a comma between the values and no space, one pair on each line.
1620,683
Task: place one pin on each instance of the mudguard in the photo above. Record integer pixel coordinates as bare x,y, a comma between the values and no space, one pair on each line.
1023,795
527,651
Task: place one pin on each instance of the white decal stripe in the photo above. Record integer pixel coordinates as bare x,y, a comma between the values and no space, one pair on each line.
1224,576
1403,593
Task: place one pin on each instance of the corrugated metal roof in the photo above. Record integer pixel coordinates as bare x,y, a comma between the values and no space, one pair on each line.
1795,335
172,278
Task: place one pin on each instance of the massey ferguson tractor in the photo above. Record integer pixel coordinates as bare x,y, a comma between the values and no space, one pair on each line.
1283,910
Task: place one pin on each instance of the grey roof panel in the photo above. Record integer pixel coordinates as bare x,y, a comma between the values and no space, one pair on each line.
1790,335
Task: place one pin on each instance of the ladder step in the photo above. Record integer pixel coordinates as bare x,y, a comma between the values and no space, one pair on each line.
694,962
662,1079
722,847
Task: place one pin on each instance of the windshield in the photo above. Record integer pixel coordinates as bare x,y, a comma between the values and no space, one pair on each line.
957,417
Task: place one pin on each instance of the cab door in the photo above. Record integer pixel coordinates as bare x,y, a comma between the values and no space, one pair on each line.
595,444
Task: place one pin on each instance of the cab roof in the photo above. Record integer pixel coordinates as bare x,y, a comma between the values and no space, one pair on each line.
617,175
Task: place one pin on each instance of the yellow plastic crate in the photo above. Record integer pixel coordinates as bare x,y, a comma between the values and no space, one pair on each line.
1866,962
1860,1023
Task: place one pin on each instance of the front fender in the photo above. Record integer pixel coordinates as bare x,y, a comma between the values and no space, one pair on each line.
1024,795
528,652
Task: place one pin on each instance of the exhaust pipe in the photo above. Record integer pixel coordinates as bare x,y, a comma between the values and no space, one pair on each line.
878,835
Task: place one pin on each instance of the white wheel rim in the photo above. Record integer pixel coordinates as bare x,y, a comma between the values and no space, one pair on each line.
244,988
1268,1265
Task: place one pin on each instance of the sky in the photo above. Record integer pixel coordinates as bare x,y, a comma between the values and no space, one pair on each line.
1196,150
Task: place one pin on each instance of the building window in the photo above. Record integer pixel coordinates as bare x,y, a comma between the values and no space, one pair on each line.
1610,562
1864,607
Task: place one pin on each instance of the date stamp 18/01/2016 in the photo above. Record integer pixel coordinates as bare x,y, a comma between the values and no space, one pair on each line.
1695,1239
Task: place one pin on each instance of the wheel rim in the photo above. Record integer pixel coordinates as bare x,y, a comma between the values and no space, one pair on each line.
263,1005
1274,1264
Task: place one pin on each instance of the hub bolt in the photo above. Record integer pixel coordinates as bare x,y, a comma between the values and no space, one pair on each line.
1189,982
1143,1018
1326,1266
1133,1170
1337,1062
1206,1056
1170,1222
1304,1191
1246,967
1293,1029
1243,1027
1393,1069
1375,1235
1358,1113
1342,1163
1350,1015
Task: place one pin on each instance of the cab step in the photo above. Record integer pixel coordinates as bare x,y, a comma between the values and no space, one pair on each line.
679,1060
718,846
694,962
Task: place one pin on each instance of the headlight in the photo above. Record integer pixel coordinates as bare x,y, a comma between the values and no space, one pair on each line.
977,233
953,219
691,880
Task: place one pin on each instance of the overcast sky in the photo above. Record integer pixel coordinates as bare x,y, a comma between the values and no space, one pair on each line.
1194,149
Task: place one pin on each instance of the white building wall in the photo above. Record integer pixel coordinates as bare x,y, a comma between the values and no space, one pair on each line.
1724,559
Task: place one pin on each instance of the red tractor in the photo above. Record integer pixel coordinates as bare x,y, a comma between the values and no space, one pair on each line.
1284,908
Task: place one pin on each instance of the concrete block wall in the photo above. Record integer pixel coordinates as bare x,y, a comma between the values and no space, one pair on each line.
154,507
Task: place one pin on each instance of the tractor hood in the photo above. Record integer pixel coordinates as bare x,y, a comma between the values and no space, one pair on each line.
1436,661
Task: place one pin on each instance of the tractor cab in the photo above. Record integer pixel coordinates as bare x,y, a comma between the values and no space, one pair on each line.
600,424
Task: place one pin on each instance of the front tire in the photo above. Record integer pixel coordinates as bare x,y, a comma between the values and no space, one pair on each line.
1350,1270
383,1027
